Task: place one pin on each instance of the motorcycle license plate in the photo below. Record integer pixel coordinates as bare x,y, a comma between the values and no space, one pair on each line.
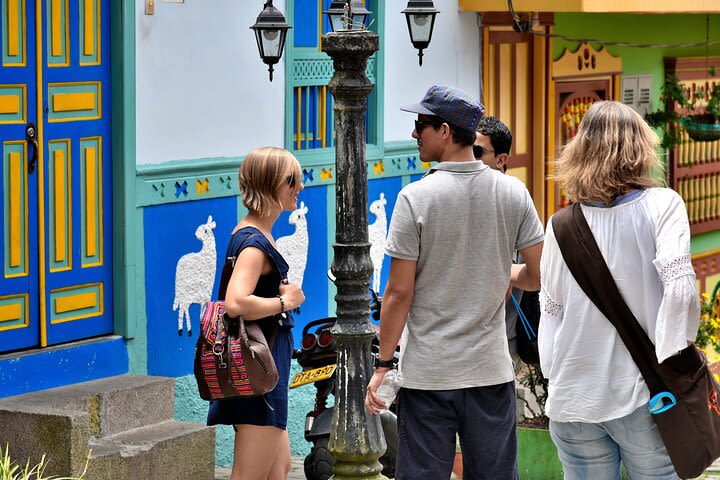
314,375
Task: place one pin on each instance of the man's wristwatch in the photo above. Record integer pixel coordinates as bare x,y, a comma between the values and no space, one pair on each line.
380,363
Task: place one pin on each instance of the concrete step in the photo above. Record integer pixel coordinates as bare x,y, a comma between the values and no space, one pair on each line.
61,436
114,404
63,422
166,450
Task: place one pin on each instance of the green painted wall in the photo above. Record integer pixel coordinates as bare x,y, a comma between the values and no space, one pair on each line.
644,29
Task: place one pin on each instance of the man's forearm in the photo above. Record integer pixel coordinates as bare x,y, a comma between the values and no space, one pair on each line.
393,317
522,279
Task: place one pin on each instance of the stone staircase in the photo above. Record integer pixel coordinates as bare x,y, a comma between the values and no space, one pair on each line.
125,421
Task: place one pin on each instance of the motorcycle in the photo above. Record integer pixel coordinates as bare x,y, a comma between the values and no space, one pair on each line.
318,359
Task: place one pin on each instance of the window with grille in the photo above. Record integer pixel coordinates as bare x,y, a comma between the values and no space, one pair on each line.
310,119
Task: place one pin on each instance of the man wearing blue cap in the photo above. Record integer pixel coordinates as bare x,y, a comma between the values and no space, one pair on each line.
451,239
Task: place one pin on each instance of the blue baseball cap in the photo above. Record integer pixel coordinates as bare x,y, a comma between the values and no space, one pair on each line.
453,105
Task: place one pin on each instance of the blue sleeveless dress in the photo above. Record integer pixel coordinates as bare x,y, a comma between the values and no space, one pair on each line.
272,408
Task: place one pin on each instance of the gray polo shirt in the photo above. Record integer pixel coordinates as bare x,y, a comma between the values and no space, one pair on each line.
462,223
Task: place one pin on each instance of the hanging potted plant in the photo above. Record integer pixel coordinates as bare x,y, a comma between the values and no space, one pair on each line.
697,112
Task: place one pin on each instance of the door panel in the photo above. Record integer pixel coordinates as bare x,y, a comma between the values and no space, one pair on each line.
78,191
56,284
509,95
19,315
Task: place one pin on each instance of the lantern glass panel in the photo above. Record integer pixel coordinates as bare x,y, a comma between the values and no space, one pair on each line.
420,27
336,22
358,20
258,39
272,42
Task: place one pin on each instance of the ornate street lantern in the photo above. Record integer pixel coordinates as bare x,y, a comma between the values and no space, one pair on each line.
347,15
270,32
336,14
358,13
420,15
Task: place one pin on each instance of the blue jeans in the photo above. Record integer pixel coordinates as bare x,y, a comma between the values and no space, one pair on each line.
594,451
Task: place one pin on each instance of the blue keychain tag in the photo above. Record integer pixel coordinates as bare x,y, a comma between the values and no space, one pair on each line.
662,402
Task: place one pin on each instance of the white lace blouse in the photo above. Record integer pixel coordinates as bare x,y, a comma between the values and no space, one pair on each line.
646,244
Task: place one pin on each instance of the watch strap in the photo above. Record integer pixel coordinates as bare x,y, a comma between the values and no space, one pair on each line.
380,363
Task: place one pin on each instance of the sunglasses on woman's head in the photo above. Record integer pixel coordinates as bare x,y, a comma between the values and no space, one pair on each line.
291,180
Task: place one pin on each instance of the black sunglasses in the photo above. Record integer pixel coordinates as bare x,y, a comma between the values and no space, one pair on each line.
421,124
291,180
479,151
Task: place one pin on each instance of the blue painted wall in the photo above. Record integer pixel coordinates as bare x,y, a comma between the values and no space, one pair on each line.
390,187
170,234
58,366
315,282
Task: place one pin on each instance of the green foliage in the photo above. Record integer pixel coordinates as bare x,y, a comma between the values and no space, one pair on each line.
531,377
673,93
713,106
10,470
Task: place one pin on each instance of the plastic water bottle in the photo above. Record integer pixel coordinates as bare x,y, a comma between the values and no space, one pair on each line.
390,387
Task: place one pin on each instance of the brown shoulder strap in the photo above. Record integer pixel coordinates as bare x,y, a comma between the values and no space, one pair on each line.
587,265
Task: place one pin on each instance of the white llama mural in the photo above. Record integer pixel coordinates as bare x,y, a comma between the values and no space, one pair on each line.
294,248
377,232
195,276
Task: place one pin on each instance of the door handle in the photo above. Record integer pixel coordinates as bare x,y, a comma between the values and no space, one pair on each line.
31,139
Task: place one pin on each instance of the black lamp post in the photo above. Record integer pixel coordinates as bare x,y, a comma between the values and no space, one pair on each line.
356,440
347,15
420,15
270,33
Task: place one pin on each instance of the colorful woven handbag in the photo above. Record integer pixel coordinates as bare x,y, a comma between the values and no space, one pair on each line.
232,357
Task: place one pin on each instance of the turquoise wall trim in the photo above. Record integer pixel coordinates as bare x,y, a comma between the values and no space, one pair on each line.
206,178
377,96
137,346
123,153
241,209
316,68
185,180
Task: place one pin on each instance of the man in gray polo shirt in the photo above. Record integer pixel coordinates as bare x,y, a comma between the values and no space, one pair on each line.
452,237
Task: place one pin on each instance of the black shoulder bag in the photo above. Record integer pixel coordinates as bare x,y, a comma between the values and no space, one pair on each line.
683,393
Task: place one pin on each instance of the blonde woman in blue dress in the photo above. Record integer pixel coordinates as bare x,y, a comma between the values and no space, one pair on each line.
270,182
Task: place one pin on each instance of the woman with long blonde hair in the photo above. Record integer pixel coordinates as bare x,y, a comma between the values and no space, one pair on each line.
270,182
597,399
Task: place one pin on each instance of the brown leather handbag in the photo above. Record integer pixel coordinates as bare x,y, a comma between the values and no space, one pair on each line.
233,358
683,392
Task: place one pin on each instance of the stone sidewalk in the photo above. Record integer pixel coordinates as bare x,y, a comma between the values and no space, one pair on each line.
296,473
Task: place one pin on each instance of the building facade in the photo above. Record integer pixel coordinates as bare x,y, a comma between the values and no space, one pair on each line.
136,123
